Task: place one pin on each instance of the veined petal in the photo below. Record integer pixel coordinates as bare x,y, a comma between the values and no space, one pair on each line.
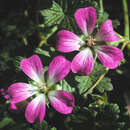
32,67
58,69
62,101
83,62
109,56
36,109
86,19
68,41
21,91
106,33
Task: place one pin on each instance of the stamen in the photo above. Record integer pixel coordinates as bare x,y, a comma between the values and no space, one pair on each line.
90,41
44,89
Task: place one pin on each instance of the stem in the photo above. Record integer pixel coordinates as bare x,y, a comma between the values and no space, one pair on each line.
97,82
101,5
123,46
126,19
120,36
25,41
53,30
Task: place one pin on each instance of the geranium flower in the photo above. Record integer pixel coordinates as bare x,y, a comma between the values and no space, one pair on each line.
42,92
83,62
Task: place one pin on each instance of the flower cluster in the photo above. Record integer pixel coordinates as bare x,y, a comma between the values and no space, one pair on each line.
42,90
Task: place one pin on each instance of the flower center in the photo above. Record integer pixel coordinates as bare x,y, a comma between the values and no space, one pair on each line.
90,41
43,88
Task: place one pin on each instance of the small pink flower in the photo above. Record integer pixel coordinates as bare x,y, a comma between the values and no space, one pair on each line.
42,91
83,62
6,96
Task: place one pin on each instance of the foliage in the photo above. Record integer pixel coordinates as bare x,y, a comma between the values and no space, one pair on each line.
85,82
54,15
31,28
99,117
105,84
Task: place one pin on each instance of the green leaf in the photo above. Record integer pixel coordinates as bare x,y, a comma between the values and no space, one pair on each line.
6,121
54,15
99,117
84,83
44,126
52,49
105,85
115,23
103,16
66,87
54,128
109,112
97,71
42,52
69,24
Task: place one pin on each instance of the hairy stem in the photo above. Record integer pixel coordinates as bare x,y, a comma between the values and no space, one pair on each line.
126,19
97,82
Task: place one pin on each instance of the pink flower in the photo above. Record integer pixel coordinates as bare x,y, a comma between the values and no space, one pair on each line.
7,97
83,62
42,92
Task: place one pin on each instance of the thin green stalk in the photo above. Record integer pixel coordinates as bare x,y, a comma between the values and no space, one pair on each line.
126,19
25,41
96,83
53,30
101,5
44,41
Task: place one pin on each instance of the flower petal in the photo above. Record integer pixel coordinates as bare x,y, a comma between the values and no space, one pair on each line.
86,19
21,91
62,101
109,56
36,109
106,33
83,62
13,106
68,41
58,69
32,67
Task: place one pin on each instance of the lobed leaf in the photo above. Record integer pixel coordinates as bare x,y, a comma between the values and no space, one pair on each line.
54,15
84,83
105,85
